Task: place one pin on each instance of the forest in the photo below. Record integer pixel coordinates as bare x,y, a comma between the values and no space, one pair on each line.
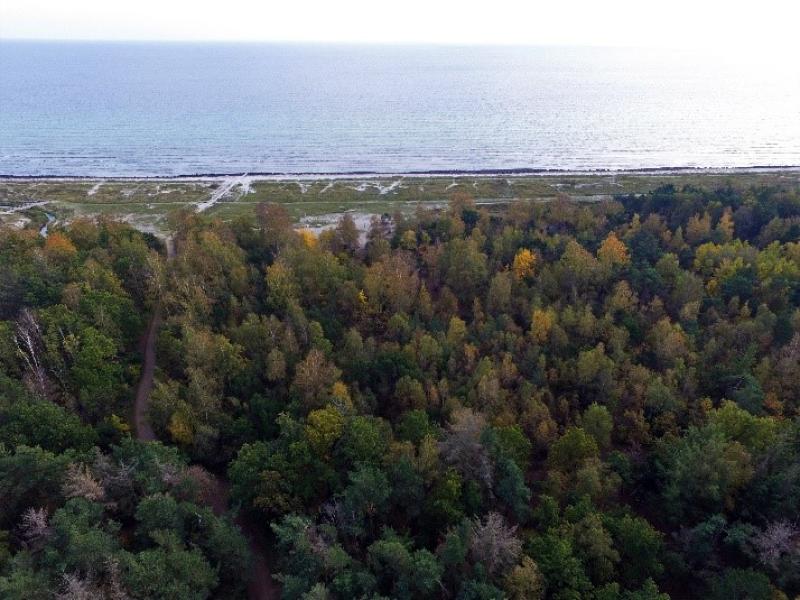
539,400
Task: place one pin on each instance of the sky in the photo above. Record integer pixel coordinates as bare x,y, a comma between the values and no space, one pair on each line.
726,25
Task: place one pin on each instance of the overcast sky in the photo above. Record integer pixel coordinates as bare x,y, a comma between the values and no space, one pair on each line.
768,25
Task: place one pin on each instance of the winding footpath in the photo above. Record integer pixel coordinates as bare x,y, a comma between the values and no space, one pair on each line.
261,586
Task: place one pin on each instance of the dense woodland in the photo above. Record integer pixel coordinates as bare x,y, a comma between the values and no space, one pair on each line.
545,400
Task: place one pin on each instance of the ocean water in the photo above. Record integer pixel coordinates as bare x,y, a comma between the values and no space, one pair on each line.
110,109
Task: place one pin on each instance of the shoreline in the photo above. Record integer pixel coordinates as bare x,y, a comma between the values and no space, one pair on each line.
145,202
454,173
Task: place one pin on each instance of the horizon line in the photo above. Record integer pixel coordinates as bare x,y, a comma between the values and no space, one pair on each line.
433,173
334,42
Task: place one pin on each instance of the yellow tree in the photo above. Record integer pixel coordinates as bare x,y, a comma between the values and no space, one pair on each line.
524,264
340,397
308,238
323,428
180,429
725,226
541,324
613,252
698,228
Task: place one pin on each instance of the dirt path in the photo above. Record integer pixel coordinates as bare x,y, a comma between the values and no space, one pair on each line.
217,495
261,585
143,429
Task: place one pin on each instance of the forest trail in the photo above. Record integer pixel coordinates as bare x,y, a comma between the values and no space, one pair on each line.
143,429
261,585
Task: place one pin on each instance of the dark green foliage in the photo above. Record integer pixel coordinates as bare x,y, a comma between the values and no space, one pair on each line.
741,583
29,477
70,534
42,423
169,571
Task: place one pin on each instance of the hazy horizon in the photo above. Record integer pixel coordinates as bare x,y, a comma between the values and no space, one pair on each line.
713,26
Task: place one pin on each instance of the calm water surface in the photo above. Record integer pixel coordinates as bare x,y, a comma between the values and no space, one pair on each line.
177,109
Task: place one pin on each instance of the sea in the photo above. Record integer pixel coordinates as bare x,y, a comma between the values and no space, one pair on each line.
173,109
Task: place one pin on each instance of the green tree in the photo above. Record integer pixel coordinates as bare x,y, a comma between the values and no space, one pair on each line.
29,477
44,424
640,547
365,440
365,499
598,423
571,449
168,571
705,473
463,267
157,513
741,583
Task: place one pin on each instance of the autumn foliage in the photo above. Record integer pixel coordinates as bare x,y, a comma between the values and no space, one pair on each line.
524,264
536,401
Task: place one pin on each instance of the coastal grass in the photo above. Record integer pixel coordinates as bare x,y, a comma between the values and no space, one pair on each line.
147,202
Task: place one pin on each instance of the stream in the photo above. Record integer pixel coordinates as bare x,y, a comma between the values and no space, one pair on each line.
50,220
